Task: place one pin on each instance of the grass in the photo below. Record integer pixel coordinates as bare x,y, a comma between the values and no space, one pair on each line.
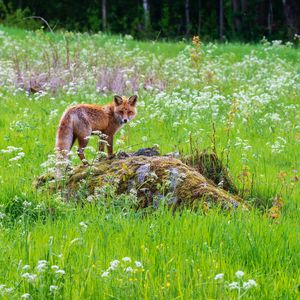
180,253
250,93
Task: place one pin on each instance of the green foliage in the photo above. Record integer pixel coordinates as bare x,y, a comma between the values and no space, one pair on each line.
244,20
17,17
94,22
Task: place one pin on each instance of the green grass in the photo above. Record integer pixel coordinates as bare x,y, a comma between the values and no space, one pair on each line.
251,95
184,251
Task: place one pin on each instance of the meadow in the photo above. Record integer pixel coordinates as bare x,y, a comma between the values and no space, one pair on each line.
240,100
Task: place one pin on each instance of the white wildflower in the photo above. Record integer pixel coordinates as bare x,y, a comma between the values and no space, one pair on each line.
219,276
83,225
276,43
239,274
119,142
126,259
128,37
54,267
27,204
132,124
105,274
41,266
5,290
249,284
60,272
114,264
233,285
53,288
10,149
19,156
25,296
29,277
8,290
129,270
138,264
90,198
26,267
274,117
42,262
75,240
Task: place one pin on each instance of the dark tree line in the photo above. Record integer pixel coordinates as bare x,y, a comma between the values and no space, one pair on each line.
247,20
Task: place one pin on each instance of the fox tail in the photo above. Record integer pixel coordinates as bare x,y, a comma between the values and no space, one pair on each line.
64,136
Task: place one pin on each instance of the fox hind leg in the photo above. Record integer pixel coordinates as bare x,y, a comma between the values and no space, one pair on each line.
64,142
82,143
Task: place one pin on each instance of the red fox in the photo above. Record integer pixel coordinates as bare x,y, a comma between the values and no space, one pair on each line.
79,122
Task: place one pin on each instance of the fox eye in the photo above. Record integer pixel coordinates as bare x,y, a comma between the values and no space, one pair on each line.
121,112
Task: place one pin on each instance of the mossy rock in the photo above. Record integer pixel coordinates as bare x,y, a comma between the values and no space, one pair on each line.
153,178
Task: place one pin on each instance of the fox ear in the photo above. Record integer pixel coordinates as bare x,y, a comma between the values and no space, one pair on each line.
132,100
118,100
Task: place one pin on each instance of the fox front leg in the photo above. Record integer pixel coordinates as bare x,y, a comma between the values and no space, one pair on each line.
101,146
110,141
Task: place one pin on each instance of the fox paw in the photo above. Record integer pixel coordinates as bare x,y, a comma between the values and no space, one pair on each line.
85,162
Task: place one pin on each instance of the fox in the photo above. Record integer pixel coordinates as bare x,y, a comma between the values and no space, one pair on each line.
80,121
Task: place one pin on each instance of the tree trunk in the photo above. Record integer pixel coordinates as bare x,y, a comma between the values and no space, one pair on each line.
236,15
244,5
146,14
187,17
199,18
221,20
243,16
289,9
104,15
270,17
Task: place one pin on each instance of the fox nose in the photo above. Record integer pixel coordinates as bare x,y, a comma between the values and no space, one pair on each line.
125,121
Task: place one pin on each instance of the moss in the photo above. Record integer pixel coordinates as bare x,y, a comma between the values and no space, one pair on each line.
152,177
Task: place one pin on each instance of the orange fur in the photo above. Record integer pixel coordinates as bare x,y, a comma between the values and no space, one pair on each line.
79,121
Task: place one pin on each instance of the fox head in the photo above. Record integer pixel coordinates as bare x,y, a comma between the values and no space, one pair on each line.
125,109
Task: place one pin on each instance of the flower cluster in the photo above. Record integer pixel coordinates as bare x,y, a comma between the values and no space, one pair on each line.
12,149
240,285
123,267
49,277
4,290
